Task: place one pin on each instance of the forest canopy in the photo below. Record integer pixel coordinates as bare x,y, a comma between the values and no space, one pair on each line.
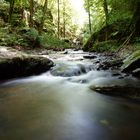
48,23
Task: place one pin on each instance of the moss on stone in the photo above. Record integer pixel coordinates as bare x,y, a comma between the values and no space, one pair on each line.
132,62
20,65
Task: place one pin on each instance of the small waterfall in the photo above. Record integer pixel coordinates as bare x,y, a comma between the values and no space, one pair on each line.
71,69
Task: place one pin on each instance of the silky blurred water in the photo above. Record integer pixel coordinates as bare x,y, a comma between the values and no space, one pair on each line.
47,107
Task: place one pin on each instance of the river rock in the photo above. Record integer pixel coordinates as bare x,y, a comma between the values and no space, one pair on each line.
123,91
90,56
132,63
127,87
18,64
136,73
113,64
68,70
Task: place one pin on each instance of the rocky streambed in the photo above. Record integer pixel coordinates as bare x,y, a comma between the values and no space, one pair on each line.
105,73
115,76
125,79
64,103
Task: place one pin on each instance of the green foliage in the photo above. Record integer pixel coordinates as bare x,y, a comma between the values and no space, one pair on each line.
49,41
16,13
122,9
4,11
136,46
97,14
120,25
24,37
45,23
48,20
105,46
8,37
119,10
29,38
132,58
32,33
33,39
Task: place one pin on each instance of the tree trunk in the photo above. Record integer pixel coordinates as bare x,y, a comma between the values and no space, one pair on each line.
134,26
58,26
106,11
12,3
137,19
31,12
105,6
133,30
89,16
64,20
43,16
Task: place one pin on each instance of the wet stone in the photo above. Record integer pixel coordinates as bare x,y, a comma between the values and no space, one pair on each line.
136,73
90,56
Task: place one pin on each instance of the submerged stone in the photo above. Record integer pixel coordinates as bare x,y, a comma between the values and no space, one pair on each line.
90,56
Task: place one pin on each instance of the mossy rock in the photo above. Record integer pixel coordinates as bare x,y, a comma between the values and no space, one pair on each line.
66,70
127,87
122,91
132,62
18,64
111,64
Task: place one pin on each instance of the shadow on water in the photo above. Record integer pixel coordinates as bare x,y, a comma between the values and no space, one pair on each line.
50,107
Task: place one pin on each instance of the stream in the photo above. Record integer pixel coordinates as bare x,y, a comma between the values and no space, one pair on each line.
59,104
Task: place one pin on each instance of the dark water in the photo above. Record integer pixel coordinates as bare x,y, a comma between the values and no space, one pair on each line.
50,107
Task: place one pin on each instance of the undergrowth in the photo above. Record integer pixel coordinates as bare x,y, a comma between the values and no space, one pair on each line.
30,38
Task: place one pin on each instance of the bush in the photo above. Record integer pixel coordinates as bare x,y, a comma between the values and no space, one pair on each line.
136,46
50,41
110,46
9,38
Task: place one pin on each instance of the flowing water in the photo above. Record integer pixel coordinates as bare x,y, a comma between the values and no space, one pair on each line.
59,105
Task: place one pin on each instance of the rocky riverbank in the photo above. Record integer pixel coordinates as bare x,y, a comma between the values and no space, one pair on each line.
125,80
128,64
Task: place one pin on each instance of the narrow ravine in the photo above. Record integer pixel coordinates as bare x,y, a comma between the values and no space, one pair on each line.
59,105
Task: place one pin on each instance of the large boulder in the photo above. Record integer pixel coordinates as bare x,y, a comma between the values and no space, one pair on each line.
122,91
18,64
132,63
126,87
